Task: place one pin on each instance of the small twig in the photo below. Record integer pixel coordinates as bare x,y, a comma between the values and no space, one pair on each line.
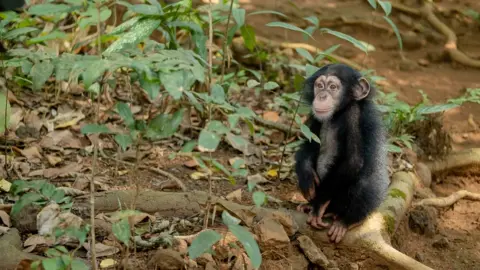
278,126
225,43
166,174
450,200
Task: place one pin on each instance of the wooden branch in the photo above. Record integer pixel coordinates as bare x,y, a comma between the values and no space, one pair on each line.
456,160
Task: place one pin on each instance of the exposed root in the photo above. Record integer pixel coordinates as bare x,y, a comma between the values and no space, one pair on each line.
450,200
456,160
405,9
373,235
451,45
278,126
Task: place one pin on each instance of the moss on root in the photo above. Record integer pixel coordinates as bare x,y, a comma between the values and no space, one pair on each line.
397,193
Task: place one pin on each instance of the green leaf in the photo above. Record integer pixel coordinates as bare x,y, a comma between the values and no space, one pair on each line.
346,37
177,82
40,73
373,3
90,17
259,198
48,9
219,166
50,36
138,32
124,140
218,94
239,16
188,146
4,108
309,70
270,85
305,54
51,252
121,230
203,242
144,9
165,125
308,133
298,82
248,35
79,265
435,108
126,114
151,86
289,27
208,141
313,20
52,264
249,244
395,30
267,12
66,259
386,6
94,128
217,127
18,32
25,200
47,190
58,196
393,148
94,72
125,26
229,219
252,83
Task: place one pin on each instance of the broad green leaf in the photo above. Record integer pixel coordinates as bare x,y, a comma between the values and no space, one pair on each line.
50,36
208,141
252,83
248,35
386,6
177,82
289,27
219,166
90,17
151,86
238,163
346,37
309,70
52,263
79,233
121,230
308,133
138,32
66,259
25,200
48,9
255,73
4,108
188,146
48,190
270,85
239,16
267,12
124,140
94,128
125,26
18,32
165,125
58,196
78,265
393,148
94,72
144,9
373,3
259,198
218,94
305,54
203,242
237,142
435,108
217,127
40,73
62,249
313,20
395,30
233,120
126,114
249,244
298,82
51,252
229,219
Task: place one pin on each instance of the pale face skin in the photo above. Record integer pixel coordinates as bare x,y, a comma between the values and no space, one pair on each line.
327,90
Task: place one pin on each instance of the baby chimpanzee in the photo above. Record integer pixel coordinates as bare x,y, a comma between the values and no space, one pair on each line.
346,176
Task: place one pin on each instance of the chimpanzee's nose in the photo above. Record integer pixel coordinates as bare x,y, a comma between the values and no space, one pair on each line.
322,95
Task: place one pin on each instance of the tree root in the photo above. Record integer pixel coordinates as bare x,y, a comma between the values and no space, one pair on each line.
278,126
456,160
450,200
374,234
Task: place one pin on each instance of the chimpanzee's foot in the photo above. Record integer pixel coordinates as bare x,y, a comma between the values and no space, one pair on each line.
315,220
338,229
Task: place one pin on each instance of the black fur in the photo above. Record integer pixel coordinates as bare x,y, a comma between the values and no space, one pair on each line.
357,180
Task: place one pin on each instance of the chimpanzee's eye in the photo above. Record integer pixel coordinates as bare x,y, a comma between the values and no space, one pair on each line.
333,86
320,85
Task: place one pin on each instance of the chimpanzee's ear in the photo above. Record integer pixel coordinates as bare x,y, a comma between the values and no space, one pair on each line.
361,89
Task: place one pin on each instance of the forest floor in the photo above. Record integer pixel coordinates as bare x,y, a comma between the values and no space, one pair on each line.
455,244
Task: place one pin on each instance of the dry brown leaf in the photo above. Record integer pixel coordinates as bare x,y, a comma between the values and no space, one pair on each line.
67,119
271,116
68,170
5,185
102,250
13,99
61,138
32,120
36,240
107,263
192,163
235,195
3,229
198,175
5,218
31,153
53,160
16,116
